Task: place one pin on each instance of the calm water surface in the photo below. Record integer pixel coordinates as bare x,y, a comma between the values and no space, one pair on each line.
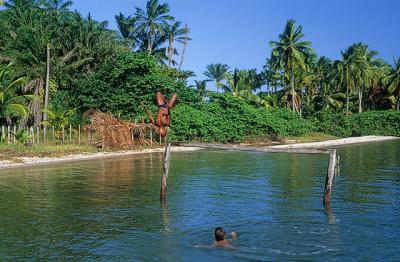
109,210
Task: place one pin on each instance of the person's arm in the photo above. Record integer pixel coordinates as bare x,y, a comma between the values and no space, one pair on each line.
149,114
234,235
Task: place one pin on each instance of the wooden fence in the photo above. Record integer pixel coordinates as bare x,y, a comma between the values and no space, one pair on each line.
69,134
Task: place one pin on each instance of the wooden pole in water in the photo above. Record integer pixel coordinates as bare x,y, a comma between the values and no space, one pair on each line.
167,156
329,177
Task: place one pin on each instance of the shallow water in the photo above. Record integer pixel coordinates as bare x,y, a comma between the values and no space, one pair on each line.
109,209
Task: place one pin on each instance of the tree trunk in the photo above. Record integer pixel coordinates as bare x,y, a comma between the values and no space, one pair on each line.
46,95
398,103
170,49
36,104
149,42
360,100
292,84
184,47
347,101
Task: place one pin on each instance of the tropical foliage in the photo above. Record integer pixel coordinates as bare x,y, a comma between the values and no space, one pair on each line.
93,67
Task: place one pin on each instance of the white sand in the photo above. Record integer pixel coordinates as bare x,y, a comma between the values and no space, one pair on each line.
338,142
28,161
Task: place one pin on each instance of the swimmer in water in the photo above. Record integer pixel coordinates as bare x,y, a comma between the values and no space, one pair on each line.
220,241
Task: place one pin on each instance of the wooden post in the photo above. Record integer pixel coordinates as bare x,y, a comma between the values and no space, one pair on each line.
70,133
151,136
329,177
79,134
8,135
164,178
3,130
160,139
15,133
38,135
63,134
54,134
32,135
44,134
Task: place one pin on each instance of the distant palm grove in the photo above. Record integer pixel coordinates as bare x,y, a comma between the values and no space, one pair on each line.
56,63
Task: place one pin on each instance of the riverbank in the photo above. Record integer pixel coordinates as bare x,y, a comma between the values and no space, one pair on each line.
30,161
90,153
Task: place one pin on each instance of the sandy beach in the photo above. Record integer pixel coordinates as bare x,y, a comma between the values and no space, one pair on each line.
29,161
338,142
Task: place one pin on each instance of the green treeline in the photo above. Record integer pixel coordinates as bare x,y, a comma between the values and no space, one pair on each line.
93,67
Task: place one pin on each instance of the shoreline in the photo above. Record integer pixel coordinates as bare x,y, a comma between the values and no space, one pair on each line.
337,142
33,161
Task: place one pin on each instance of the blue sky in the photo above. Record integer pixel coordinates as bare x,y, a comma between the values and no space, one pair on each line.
237,32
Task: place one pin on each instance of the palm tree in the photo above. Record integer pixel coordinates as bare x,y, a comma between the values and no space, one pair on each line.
175,33
393,82
201,86
216,73
12,103
353,67
58,5
289,54
152,20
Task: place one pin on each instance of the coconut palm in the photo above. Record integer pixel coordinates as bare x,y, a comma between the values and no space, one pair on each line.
352,68
290,53
393,82
216,73
11,102
175,33
152,20
201,86
58,5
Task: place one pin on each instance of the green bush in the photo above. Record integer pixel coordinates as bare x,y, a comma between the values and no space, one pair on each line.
367,123
224,118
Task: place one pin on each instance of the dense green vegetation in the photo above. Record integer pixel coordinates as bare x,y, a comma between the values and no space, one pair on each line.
92,66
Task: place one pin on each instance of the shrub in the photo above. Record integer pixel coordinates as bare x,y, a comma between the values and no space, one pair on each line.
225,118
366,123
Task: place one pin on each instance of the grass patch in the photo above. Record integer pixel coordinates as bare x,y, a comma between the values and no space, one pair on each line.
14,151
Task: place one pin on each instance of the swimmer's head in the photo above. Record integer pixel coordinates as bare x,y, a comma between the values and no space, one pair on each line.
219,234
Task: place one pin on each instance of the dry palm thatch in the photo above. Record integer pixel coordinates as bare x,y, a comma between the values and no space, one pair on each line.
116,133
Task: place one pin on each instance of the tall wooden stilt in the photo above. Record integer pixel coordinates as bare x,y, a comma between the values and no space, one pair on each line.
167,156
329,177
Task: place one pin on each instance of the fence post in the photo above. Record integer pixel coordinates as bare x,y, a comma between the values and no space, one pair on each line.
15,133
8,134
32,133
44,134
63,134
70,133
3,131
38,134
79,134
54,134
151,136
